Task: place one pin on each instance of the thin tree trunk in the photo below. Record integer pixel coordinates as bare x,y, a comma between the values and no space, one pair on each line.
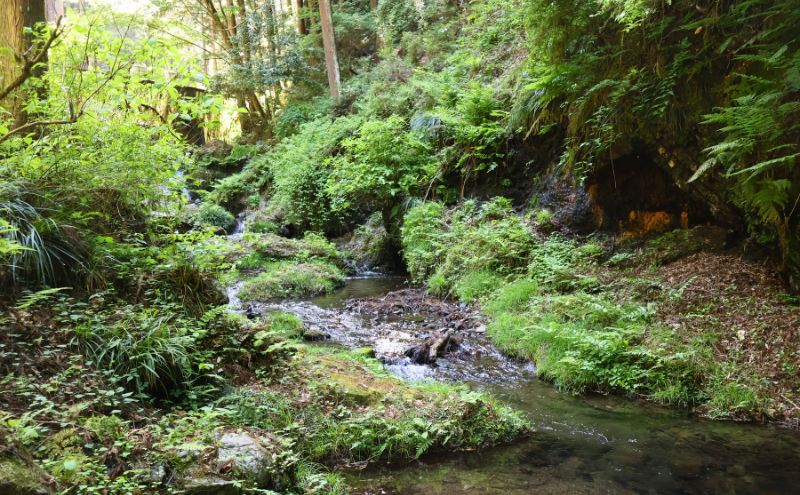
241,26
329,45
54,9
373,4
302,28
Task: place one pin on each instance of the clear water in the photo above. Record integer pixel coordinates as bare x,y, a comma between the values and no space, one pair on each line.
587,444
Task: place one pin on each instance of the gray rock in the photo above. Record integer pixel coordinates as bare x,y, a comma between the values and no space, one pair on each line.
249,458
209,486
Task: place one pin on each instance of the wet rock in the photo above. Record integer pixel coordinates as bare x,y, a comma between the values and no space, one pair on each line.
156,473
17,478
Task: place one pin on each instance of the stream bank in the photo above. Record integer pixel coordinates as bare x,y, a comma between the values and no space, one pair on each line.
582,444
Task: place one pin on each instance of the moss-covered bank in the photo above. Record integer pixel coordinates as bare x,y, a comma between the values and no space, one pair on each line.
677,319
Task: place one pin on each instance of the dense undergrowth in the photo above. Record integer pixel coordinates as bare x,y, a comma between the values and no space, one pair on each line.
595,321
136,399
119,366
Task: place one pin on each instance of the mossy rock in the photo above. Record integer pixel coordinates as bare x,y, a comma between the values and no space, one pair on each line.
292,280
17,478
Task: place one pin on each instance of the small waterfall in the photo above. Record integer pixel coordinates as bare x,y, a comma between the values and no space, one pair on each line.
234,303
238,229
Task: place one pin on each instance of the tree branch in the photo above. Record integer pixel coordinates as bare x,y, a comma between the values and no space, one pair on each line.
30,63
38,123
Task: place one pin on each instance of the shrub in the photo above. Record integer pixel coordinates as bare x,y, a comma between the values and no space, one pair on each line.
213,215
299,176
422,240
382,164
488,239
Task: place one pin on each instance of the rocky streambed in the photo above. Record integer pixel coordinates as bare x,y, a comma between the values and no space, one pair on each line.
583,444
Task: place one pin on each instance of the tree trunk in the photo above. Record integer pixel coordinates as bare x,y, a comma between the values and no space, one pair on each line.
373,4
15,16
302,28
329,44
54,9
11,41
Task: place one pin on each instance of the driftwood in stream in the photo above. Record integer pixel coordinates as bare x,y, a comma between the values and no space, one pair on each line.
431,348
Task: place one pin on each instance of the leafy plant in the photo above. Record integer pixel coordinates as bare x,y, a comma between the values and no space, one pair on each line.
145,348
382,165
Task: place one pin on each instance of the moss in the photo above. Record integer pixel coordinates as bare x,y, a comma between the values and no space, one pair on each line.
351,410
269,246
17,478
290,279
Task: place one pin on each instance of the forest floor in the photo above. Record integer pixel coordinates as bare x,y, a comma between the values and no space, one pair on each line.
263,407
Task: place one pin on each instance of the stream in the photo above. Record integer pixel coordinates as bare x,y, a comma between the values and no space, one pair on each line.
581,444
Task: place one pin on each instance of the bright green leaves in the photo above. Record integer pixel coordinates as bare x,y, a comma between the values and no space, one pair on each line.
382,163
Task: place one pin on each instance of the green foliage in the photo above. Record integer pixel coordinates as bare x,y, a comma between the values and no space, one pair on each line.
473,129
422,244
488,239
477,284
209,214
731,398
327,426
382,164
107,167
396,18
148,350
39,250
589,342
291,279
757,133
297,178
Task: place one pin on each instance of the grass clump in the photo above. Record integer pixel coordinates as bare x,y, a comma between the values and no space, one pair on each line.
585,342
292,279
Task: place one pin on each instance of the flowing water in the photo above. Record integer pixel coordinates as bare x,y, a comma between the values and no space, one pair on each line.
587,444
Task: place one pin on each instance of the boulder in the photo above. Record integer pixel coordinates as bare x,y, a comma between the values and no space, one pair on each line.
209,486
247,456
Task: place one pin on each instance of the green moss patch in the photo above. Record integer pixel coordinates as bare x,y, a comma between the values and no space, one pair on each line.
291,279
